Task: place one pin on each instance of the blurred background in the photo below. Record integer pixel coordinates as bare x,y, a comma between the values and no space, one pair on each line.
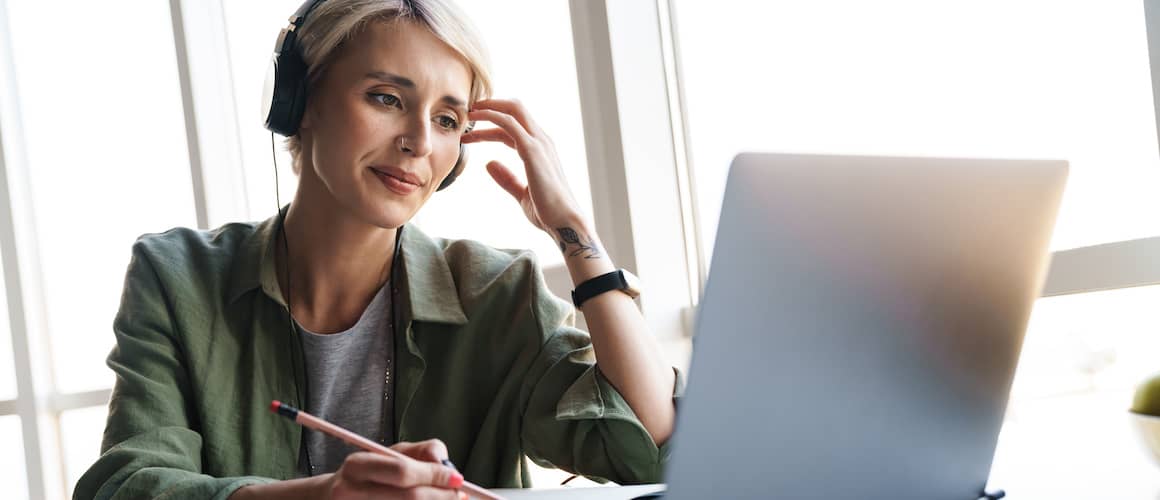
135,116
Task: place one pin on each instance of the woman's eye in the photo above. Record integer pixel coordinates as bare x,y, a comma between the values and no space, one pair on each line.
448,122
386,99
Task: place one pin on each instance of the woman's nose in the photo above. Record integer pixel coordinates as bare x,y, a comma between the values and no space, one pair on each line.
417,140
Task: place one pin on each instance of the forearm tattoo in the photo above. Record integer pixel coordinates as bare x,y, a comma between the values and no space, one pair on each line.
584,246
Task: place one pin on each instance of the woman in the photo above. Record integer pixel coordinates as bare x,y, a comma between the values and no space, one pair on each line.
443,349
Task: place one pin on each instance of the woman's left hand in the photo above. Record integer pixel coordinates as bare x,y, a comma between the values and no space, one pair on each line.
546,199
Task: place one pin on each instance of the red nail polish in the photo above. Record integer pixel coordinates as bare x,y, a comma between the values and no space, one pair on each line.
456,481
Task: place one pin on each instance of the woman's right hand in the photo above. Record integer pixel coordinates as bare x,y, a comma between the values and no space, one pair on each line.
419,475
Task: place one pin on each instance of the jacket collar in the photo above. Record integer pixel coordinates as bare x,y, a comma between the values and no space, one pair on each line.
428,291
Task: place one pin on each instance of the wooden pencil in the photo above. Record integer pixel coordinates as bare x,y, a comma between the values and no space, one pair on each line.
310,421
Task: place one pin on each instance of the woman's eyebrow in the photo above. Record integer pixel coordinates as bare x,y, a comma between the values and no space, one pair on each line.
406,83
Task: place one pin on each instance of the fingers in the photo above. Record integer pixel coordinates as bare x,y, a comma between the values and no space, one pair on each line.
489,135
431,450
506,179
418,473
511,107
504,121
405,472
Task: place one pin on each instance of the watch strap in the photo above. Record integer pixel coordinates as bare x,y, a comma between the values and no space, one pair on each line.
606,282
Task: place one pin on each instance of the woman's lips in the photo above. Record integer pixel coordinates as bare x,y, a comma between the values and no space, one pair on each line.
394,183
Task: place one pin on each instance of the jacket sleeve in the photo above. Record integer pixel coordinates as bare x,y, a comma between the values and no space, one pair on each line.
151,447
573,418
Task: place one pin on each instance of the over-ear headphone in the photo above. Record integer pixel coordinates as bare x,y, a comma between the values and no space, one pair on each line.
284,96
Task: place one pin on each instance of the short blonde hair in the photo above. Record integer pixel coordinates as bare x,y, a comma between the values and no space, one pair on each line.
334,22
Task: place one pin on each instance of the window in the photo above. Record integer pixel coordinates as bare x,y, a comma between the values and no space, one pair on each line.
81,431
908,77
849,77
12,457
95,155
105,142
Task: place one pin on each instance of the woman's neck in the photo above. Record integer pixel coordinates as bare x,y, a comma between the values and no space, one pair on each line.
336,265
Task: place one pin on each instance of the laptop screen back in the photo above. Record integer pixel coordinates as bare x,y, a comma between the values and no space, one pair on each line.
861,326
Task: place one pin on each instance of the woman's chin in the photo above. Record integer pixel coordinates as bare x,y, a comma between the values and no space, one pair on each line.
392,213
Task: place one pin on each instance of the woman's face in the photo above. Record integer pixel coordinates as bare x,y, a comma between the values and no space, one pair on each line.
382,126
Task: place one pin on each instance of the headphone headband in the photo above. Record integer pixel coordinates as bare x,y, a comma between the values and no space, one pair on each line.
303,11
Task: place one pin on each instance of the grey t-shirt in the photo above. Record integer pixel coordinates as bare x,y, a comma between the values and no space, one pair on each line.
349,378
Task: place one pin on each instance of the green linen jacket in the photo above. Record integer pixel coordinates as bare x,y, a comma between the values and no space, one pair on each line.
489,361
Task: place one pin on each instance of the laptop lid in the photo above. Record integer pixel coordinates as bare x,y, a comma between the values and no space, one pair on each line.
861,325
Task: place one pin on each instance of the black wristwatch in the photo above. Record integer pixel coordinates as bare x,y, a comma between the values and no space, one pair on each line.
616,280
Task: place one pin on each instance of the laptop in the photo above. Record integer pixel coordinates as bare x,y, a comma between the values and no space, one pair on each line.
861,325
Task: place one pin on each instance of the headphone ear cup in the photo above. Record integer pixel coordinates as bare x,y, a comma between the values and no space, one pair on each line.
456,170
284,96
286,88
